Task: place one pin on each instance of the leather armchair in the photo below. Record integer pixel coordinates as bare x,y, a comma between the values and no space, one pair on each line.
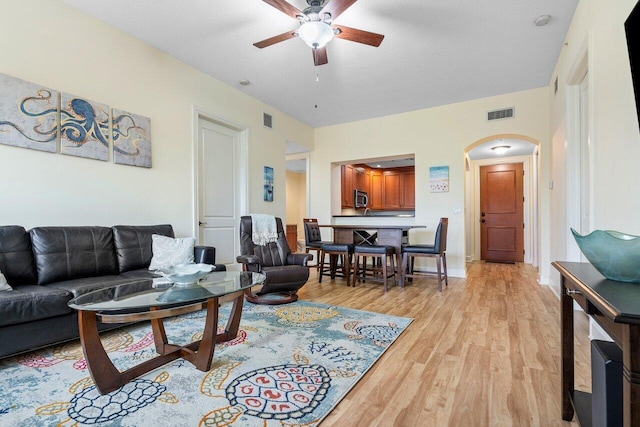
285,272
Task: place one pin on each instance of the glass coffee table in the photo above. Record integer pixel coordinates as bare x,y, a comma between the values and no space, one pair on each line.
155,300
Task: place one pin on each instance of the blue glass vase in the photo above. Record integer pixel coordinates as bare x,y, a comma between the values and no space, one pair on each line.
615,255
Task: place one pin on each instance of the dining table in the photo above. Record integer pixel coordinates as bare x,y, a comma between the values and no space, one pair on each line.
388,235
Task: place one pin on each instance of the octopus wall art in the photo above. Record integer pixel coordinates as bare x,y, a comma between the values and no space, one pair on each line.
28,114
84,128
30,118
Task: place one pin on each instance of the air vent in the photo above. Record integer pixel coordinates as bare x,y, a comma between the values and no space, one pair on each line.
267,120
505,113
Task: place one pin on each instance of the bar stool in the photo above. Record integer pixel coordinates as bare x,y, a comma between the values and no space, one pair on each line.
384,253
336,252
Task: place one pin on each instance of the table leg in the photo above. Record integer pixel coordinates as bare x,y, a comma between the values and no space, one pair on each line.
631,375
108,378
567,349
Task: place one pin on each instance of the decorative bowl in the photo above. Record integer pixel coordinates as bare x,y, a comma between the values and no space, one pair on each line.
615,255
185,274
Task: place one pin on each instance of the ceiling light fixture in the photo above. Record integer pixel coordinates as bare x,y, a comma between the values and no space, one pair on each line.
316,34
542,20
500,149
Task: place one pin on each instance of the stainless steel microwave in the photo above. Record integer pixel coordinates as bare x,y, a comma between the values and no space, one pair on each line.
361,199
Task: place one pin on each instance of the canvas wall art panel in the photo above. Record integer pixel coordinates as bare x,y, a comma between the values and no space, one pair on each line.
439,179
84,128
28,114
268,184
131,136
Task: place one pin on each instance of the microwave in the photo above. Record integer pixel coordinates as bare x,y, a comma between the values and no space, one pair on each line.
361,200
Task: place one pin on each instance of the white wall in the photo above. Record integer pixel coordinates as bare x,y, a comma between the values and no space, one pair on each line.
296,200
52,44
597,33
438,137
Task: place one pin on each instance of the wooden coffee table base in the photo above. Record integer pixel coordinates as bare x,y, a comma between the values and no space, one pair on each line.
108,378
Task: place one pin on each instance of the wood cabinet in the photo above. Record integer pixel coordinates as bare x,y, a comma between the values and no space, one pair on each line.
409,190
399,189
362,179
292,237
388,189
376,198
348,184
392,190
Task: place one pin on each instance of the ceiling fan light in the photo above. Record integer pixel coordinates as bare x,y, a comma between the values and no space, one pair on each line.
316,34
500,149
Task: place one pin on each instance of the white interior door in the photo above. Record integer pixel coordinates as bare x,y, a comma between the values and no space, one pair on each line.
220,189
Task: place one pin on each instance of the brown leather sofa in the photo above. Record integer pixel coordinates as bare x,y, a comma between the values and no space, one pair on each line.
48,266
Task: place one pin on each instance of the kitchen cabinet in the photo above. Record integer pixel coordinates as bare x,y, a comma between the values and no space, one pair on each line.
388,189
399,189
392,190
362,179
376,198
348,185
292,237
409,190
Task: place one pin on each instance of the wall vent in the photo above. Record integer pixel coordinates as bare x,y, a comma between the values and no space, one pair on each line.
505,113
267,120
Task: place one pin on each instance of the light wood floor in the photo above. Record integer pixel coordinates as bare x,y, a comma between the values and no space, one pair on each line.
485,352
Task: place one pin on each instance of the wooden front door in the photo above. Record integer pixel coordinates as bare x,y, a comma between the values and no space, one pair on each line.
501,212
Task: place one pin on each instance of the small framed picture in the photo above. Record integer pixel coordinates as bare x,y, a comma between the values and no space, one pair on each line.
439,179
268,184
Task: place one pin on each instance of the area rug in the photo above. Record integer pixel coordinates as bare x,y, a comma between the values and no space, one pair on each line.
289,366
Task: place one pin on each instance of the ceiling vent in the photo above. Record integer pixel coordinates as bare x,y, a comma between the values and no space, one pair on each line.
267,120
505,113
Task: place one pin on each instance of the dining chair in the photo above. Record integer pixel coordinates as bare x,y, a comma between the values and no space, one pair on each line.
437,250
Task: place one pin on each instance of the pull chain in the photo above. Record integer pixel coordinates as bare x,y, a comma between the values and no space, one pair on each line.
316,90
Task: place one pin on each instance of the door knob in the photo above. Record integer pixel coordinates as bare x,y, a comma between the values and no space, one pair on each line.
483,214
483,221
201,223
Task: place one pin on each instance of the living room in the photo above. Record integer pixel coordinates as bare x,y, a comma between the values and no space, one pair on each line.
55,45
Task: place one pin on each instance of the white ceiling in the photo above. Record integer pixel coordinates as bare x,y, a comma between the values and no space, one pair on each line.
435,52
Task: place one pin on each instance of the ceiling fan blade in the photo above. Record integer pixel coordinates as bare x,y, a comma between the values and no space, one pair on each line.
359,36
275,39
320,56
336,7
284,7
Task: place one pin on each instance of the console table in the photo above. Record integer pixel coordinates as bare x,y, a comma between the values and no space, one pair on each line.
616,307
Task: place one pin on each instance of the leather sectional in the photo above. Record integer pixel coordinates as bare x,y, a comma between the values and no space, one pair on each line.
48,266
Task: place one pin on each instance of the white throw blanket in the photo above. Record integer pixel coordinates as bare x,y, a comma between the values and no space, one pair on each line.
264,230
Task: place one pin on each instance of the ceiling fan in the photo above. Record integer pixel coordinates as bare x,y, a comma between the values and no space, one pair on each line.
316,27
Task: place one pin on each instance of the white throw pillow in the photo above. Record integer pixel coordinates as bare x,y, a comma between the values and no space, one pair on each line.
168,251
4,286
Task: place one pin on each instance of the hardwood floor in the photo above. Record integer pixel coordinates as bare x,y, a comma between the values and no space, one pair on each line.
484,352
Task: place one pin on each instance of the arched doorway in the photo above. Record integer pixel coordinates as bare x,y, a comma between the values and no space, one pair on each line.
522,152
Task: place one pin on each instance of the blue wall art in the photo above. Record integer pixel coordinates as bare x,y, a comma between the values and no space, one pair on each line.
268,184
84,128
131,135
28,114
439,179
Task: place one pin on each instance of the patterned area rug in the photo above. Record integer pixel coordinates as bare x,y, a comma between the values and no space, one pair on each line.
289,366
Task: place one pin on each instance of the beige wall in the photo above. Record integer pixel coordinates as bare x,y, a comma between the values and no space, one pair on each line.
597,33
437,136
296,200
52,44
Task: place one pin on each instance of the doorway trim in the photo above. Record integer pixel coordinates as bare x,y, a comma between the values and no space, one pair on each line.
242,163
530,188
304,156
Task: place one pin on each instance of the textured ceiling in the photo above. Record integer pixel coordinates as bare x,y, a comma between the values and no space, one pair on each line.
435,52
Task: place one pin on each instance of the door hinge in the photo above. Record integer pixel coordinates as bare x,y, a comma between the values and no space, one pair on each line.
522,199
523,252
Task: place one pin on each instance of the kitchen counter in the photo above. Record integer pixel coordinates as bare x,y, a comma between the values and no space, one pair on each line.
376,216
